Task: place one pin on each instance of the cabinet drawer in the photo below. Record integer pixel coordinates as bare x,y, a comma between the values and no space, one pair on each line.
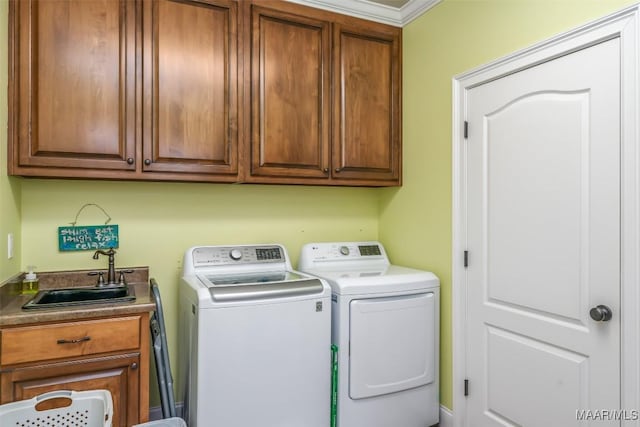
73,339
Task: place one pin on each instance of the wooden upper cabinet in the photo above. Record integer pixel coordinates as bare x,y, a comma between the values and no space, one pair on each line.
72,75
190,122
265,91
290,92
324,99
366,110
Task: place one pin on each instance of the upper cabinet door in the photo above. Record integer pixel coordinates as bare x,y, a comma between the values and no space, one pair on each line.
366,142
290,92
190,122
72,84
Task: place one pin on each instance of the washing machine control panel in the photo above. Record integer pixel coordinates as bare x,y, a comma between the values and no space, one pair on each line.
206,256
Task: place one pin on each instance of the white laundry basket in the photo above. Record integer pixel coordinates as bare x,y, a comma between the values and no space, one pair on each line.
92,408
167,422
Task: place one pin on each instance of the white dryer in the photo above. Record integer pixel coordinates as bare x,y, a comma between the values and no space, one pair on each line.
385,323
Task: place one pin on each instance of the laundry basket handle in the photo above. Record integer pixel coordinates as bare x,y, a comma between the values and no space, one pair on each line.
54,395
69,394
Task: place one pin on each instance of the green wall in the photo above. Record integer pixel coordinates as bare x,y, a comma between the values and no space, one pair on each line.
9,187
451,38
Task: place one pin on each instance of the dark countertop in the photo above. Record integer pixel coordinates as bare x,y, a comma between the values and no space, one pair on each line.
11,299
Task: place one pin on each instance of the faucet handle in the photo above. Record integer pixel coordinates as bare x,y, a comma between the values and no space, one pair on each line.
121,280
100,275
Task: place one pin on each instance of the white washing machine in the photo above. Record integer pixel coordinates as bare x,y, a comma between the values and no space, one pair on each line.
386,327
255,340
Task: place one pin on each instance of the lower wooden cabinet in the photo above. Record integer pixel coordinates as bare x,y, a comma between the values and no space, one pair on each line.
108,353
120,375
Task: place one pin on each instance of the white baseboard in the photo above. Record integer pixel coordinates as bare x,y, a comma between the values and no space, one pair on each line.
446,417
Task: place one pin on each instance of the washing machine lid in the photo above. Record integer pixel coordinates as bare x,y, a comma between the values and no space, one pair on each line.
389,279
256,277
260,285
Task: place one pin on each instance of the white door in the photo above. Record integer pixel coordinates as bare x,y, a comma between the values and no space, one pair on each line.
543,234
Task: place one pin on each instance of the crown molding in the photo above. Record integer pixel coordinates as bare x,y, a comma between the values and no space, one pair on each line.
398,17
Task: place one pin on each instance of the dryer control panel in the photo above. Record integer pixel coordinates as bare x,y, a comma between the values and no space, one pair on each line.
342,252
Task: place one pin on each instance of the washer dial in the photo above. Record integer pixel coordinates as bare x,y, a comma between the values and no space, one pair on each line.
235,254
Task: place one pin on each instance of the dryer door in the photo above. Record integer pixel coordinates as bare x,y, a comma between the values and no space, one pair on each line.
392,344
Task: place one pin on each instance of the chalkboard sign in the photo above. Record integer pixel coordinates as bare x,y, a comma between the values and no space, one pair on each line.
87,237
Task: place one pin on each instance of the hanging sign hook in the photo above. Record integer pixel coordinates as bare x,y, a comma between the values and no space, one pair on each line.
75,221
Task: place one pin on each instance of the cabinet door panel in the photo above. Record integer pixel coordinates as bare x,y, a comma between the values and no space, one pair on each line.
290,94
75,71
367,104
119,375
191,86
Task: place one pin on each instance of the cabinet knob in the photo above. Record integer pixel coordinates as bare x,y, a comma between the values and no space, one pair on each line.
130,160
147,162
134,365
338,170
325,170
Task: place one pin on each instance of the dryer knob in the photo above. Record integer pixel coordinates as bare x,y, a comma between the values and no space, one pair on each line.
344,250
235,254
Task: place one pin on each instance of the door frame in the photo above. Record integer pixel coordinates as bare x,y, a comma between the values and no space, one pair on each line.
623,25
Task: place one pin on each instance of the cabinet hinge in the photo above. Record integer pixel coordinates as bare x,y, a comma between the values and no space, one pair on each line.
466,259
466,387
466,129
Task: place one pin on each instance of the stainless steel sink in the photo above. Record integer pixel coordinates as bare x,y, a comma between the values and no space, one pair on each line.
68,297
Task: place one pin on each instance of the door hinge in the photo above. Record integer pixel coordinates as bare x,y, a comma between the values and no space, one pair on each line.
466,387
466,129
466,259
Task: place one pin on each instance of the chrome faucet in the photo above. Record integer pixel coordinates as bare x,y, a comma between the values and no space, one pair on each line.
111,274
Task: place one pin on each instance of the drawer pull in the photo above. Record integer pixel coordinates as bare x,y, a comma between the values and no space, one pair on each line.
76,341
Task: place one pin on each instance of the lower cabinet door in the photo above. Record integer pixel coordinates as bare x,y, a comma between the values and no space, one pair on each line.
118,374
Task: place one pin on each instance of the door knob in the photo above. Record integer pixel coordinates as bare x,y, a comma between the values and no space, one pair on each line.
600,313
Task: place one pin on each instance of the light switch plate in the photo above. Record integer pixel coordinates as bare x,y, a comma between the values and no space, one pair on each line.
9,245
